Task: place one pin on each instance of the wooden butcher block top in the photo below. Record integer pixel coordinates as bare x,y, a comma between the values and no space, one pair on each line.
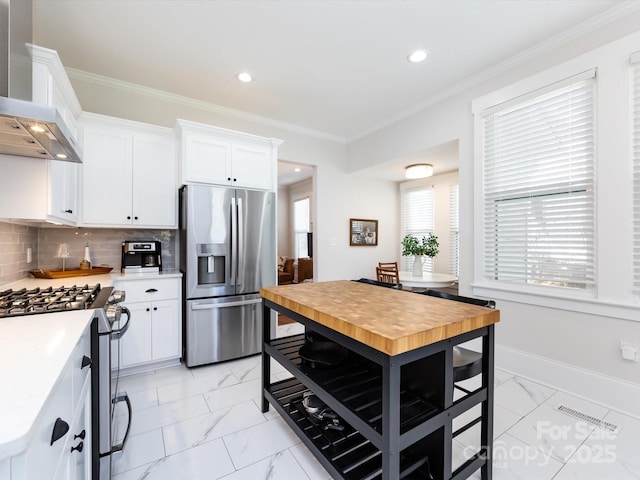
389,320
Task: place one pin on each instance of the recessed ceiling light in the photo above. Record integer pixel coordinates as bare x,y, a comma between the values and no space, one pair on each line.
61,156
244,77
418,56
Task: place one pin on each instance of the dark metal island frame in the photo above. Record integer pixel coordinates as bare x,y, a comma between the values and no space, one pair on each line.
394,391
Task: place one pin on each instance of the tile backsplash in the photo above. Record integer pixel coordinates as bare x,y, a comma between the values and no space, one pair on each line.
105,245
14,242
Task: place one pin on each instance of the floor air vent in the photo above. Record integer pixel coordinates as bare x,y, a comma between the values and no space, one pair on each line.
588,418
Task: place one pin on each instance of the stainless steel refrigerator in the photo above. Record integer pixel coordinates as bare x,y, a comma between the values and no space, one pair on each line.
227,253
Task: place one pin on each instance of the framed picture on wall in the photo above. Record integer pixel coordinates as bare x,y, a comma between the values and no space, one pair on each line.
363,233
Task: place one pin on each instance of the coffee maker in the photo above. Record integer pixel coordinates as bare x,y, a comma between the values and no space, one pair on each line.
141,257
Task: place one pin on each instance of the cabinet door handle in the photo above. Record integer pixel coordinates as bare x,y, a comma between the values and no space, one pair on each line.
151,290
155,308
68,211
81,435
86,362
128,217
229,178
78,447
148,309
60,429
135,218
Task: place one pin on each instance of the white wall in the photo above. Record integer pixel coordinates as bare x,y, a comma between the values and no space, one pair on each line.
586,341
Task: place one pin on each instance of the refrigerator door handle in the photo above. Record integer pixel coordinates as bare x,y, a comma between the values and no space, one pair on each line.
233,257
240,243
209,306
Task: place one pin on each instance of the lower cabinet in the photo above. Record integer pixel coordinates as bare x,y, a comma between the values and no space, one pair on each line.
60,447
155,331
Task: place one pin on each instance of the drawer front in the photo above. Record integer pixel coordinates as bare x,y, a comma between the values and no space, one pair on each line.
42,458
81,354
149,290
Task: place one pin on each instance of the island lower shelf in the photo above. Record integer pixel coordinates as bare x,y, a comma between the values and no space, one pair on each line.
354,389
349,453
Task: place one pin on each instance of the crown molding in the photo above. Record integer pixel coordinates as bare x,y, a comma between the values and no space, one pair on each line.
104,81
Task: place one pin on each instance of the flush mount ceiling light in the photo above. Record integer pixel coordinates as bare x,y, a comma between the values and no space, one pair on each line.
244,77
418,56
418,170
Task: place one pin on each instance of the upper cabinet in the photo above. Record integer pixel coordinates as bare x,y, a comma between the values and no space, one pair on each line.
129,174
219,156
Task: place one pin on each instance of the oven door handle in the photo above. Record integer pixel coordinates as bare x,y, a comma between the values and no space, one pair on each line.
119,332
123,397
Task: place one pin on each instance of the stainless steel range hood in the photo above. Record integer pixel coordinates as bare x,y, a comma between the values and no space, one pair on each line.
26,129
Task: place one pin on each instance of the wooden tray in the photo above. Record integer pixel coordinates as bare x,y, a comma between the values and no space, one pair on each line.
70,273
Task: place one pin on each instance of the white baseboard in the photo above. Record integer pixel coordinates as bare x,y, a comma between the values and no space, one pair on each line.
589,385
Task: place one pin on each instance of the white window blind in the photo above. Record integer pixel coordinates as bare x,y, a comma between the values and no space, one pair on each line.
418,220
538,187
636,173
454,233
300,227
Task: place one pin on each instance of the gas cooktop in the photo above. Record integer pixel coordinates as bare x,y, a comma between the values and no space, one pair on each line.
15,303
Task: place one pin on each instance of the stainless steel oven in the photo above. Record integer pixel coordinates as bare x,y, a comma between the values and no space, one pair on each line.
110,323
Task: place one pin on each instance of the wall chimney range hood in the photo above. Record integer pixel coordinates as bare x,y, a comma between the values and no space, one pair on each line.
27,129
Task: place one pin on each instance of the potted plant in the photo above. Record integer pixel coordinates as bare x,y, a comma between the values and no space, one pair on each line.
427,246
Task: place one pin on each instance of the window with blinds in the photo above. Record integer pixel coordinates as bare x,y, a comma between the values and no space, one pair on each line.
539,187
454,230
635,60
418,216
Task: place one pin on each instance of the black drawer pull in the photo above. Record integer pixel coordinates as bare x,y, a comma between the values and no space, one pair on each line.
151,290
68,211
86,362
60,429
81,435
78,448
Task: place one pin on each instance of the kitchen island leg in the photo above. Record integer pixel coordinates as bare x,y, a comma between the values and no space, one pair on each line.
266,359
391,419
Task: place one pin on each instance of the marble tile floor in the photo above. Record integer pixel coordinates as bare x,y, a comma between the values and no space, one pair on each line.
205,423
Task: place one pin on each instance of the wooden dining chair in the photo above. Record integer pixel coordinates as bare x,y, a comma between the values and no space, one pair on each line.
387,276
388,265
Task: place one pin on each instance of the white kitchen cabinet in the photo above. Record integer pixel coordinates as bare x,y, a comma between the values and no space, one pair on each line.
129,174
63,192
68,406
218,156
38,190
155,332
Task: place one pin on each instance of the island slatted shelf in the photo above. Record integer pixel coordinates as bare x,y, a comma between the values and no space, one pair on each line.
394,391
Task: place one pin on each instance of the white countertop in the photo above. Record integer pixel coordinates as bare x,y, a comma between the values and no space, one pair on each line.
33,352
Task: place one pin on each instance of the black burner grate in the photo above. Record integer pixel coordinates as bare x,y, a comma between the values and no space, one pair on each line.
15,303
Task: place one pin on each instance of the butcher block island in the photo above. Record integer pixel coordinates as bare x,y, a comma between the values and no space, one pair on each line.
373,393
